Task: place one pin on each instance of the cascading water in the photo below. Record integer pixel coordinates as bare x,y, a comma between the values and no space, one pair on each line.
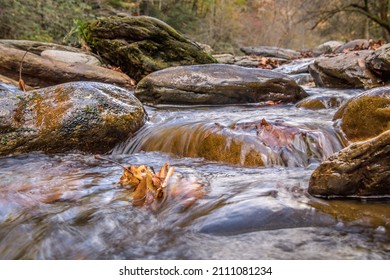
254,175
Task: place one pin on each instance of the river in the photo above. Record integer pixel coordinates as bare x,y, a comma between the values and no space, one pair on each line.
70,206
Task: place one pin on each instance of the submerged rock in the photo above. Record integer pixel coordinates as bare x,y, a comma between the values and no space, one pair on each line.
360,170
321,102
366,115
141,45
256,143
87,116
217,84
343,71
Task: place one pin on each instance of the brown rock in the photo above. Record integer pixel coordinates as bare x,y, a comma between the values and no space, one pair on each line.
360,170
41,72
366,115
343,71
90,117
217,84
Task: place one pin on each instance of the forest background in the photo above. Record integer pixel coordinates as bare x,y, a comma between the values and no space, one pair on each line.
225,25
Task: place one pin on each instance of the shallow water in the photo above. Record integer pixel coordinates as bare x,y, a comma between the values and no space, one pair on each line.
70,206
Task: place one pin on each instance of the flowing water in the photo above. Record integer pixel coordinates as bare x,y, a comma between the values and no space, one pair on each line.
70,206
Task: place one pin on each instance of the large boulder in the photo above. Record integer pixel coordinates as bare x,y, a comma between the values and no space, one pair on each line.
343,71
86,116
268,51
379,62
217,84
360,170
38,71
141,45
365,115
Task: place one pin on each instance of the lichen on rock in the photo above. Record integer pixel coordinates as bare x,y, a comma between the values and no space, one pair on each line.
86,116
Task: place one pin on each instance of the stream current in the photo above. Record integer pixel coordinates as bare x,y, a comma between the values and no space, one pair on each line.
70,206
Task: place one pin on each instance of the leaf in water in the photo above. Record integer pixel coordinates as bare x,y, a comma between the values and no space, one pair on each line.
150,189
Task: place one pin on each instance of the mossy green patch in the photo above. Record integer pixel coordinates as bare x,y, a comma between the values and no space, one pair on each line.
141,45
366,117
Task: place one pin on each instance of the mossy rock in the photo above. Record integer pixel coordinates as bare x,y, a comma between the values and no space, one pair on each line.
141,45
85,116
365,115
321,102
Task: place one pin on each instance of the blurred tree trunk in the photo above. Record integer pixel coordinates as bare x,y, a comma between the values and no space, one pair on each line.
376,11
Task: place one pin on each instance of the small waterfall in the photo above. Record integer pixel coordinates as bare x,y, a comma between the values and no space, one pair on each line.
256,143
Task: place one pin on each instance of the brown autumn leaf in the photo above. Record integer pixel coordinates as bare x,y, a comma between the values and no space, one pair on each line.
150,189
276,135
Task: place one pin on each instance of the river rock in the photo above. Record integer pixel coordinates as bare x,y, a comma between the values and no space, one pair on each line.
86,116
141,45
321,102
9,81
36,47
217,84
271,52
327,47
379,62
358,44
71,57
343,71
303,79
38,71
251,61
297,66
257,143
366,115
360,170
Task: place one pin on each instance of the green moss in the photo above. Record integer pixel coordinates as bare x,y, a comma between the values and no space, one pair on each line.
141,45
366,117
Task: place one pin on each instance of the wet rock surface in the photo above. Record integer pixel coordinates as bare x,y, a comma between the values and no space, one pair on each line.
217,84
84,116
365,115
379,62
360,170
343,71
257,143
